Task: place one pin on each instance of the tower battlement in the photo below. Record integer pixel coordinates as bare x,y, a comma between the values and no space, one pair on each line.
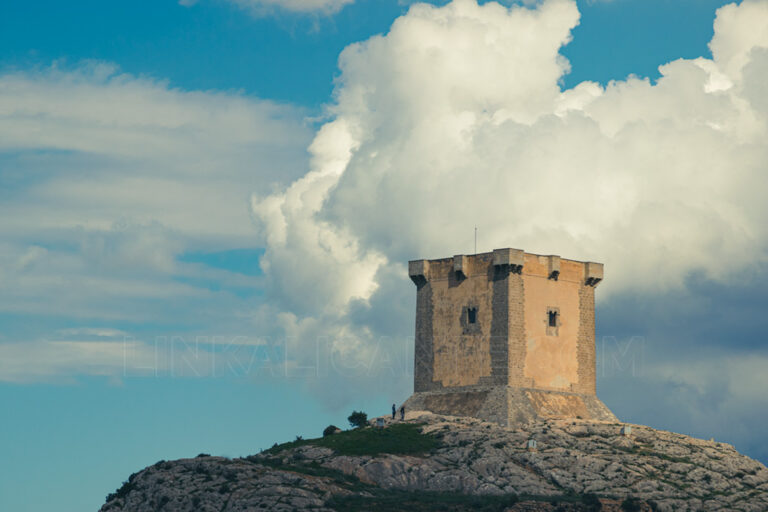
462,266
506,335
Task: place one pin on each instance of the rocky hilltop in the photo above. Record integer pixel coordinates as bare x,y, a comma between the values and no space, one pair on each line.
432,462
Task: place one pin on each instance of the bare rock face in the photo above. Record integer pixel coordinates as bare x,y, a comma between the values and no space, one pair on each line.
575,465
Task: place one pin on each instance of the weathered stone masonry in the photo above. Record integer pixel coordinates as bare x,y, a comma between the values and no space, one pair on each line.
506,336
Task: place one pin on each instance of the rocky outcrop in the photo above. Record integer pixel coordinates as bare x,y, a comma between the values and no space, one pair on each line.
472,463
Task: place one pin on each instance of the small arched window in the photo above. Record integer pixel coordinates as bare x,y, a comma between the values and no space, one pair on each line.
553,321
552,318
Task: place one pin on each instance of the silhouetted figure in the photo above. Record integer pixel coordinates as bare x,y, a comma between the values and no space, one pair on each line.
402,413
394,411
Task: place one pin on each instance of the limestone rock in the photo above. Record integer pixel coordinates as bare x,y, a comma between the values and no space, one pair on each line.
573,458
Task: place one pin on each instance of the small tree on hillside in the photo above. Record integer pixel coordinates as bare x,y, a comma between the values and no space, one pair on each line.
330,430
358,419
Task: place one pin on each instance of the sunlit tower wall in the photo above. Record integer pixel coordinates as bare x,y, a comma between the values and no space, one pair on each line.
506,336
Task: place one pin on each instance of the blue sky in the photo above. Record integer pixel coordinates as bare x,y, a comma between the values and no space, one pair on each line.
205,213
292,57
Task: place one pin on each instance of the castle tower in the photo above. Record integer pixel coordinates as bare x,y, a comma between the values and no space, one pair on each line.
506,336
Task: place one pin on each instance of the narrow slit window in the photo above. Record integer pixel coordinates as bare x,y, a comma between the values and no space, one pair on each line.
552,318
472,315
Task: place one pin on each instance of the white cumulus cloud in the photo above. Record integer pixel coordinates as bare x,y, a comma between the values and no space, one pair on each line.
456,118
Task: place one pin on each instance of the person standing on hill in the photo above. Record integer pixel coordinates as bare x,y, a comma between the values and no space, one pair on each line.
402,413
394,411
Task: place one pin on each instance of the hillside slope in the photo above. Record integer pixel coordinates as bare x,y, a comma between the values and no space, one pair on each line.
433,462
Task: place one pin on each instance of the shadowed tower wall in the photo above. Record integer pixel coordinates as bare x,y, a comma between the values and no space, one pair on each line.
506,335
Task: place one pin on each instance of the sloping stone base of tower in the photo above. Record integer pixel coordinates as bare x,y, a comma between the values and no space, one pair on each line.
509,405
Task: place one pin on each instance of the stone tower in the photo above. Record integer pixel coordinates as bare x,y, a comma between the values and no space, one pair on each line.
506,336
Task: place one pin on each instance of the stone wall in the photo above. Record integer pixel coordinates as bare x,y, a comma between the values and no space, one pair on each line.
508,405
423,351
516,341
462,354
586,341
551,360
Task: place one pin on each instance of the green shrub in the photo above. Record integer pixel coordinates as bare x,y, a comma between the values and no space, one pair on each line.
400,438
422,501
330,430
591,502
358,419
630,505
123,491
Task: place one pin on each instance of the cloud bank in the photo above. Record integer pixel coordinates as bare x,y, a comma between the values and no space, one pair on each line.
104,145
106,181
456,118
